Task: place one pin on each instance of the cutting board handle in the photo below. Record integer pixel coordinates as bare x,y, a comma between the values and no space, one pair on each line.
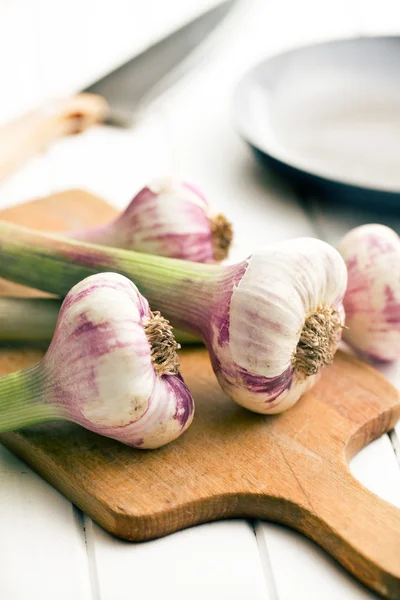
359,529
35,131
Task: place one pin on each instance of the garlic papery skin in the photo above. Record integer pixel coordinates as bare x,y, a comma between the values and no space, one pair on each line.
168,218
372,300
112,367
270,322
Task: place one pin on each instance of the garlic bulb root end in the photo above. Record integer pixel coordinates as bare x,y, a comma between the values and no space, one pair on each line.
221,236
163,346
318,341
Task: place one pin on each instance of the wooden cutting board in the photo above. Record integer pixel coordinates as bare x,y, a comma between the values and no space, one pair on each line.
290,468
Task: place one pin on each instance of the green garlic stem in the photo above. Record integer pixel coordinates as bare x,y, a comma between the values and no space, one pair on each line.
32,321
28,320
54,264
22,399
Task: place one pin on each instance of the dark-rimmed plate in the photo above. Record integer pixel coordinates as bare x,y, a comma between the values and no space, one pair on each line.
327,117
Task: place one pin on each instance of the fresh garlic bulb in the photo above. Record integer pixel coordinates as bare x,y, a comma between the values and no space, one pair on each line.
279,324
111,367
167,218
372,300
270,323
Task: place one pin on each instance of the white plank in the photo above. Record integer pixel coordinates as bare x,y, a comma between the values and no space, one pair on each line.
303,570
219,561
42,547
392,372
373,465
395,440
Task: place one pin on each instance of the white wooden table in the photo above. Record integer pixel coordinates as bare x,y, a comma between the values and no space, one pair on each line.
48,548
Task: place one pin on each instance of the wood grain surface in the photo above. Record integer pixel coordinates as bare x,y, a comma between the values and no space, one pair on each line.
290,468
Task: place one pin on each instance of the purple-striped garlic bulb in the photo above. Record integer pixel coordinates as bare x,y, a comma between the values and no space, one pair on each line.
167,218
279,323
111,367
372,300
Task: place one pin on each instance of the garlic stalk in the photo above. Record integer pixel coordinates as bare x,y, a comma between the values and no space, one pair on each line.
372,300
167,218
111,367
270,322
33,321
28,320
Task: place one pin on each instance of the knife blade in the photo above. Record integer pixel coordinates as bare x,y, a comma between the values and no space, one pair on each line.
132,85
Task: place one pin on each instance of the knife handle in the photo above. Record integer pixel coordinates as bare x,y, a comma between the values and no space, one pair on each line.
35,131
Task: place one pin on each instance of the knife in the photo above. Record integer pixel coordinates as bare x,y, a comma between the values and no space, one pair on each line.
116,98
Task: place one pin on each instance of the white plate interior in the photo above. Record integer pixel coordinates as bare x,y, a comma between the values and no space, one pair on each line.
332,110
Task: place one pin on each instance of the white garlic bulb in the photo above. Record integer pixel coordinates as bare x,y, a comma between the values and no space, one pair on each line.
168,218
111,367
372,300
282,325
